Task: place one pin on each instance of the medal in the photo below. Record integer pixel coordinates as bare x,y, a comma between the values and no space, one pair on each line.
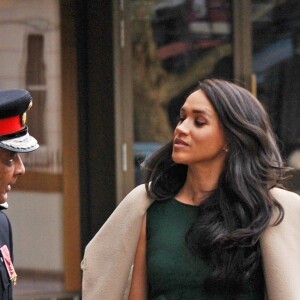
8,264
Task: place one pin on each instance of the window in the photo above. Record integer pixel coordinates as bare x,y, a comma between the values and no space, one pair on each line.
36,85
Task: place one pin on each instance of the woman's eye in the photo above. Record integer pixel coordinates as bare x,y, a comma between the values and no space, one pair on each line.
200,122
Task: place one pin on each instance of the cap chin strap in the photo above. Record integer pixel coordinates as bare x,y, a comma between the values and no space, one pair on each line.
11,136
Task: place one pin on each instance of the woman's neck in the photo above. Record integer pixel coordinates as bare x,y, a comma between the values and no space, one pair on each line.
199,183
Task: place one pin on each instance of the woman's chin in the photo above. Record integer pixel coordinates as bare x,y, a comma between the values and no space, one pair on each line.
178,159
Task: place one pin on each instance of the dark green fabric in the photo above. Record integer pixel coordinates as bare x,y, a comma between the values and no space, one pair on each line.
173,272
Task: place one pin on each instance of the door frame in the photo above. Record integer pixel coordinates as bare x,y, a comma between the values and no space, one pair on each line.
123,97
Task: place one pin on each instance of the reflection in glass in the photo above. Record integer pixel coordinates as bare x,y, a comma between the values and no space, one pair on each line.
175,43
276,63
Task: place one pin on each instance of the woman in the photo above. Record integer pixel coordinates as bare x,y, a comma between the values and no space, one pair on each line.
217,210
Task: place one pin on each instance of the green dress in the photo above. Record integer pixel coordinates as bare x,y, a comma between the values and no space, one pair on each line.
173,272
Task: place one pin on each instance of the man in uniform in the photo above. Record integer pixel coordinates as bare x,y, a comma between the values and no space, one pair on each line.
14,139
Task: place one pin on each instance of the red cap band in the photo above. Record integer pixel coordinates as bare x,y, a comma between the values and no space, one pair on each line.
10,125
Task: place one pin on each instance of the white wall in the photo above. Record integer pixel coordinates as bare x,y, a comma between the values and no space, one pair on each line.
37,221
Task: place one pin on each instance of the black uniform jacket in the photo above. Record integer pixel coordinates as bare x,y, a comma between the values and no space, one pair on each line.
5,239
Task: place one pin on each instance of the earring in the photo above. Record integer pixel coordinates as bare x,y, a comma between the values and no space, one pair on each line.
226,149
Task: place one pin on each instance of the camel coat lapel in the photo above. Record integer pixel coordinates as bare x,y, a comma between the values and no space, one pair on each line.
109,255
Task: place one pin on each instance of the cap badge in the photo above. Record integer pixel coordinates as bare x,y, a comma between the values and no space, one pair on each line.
29,105
23,119
24,116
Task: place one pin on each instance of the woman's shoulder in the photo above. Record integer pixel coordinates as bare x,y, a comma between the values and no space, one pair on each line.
126,217
290,202
280,246
286,198
137,198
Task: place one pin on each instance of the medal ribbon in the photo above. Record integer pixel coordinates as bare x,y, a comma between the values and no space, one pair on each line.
9,265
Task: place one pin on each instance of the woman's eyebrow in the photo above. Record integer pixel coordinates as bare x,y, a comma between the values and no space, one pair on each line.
198,111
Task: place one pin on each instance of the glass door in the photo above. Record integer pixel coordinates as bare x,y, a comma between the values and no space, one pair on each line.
276,64
175,43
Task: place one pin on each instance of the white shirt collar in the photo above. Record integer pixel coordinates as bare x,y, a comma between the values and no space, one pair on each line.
4,205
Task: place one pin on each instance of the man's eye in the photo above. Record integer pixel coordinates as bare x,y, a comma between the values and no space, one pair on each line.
10,161
12,158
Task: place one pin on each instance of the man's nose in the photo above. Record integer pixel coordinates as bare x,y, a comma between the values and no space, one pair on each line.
19,166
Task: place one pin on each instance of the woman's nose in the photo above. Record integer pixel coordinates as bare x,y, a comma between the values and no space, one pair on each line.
19,166
182,127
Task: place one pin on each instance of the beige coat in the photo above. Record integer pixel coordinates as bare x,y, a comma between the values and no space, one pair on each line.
109,255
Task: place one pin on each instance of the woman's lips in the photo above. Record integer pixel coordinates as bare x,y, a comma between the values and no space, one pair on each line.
180,143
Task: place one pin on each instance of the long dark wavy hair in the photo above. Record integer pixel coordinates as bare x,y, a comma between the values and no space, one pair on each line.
233,217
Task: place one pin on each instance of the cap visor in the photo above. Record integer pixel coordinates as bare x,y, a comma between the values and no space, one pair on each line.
25,143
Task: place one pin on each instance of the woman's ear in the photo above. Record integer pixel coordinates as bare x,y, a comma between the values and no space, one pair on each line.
225,148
